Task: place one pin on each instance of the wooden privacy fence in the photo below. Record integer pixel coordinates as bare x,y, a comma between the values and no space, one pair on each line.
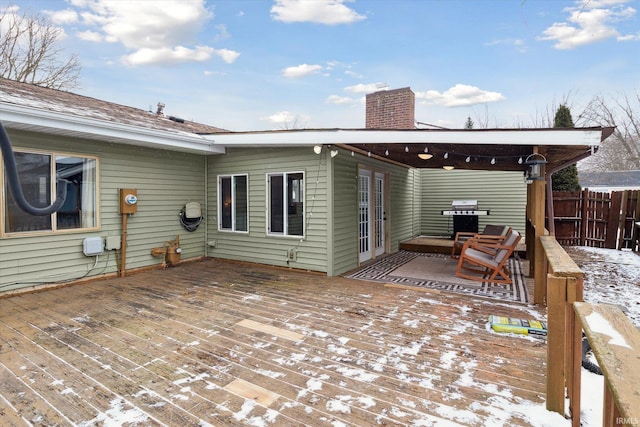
602,220
614,340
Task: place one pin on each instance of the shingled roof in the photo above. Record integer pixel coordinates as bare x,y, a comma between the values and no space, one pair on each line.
30,95
618,179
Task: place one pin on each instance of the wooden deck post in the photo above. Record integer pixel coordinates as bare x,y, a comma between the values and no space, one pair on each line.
557,293
537,189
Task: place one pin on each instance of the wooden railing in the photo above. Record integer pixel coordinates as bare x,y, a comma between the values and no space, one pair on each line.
615,342
564,286
613,338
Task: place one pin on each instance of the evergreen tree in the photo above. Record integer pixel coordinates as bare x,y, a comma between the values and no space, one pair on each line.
567,178
469,123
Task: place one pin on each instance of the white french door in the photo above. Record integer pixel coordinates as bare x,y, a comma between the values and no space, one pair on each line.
364,214
371,214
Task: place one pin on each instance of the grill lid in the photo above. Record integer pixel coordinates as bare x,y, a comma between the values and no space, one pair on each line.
464,205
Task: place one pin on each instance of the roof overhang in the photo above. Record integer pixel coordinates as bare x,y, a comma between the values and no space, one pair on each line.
32,119
486,149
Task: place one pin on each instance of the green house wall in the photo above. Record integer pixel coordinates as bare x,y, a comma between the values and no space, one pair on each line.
257,245
165,181
504,194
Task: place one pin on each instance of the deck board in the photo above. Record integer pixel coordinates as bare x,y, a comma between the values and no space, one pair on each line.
163,346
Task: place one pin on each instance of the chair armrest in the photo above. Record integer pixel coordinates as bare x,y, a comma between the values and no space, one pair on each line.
464,234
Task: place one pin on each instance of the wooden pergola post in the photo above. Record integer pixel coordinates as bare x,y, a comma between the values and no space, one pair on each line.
536,192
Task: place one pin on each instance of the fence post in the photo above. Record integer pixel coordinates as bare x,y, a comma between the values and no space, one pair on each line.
614,223
584,217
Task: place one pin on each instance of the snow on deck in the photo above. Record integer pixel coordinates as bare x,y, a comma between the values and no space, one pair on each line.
196,345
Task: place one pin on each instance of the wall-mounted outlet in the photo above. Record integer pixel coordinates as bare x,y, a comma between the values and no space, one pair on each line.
212,243
292,254
112,243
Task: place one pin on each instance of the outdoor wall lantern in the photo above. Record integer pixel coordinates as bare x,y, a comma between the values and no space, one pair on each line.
534,162
318,149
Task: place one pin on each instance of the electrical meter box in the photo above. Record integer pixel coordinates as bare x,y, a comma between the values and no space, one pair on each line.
128,200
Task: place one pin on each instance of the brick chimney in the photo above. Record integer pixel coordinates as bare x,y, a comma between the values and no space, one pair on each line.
391,109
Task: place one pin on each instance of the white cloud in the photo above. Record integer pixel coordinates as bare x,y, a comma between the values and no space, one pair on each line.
287,120
228,56
62,17
629,37
154,32
281,117
223,33
165,55
459,95
90,36
328,12
588,22
518,44
366,88
339,100
301,70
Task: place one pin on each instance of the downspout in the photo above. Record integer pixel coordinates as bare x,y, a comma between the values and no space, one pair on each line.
206,205
14,181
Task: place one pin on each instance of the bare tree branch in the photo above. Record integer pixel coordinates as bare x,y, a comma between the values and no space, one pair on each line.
30,52
622,150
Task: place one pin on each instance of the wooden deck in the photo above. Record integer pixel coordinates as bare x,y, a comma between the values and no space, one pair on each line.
439,245
223,343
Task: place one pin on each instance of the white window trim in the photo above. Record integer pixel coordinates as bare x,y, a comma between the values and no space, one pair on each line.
233,199
54,229
285,192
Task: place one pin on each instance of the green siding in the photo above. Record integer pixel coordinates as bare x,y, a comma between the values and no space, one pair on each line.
345,214
331,242
503,193
165,182
401,214
257,245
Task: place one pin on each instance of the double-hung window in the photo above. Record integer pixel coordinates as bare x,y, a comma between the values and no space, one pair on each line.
233,203
40,173
286,203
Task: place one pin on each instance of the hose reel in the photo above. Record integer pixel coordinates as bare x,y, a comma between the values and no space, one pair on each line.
191,216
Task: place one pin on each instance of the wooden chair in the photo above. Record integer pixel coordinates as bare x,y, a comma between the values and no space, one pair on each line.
487,262
495,233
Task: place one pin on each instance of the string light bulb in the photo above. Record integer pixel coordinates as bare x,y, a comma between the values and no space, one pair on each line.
386,152
468,159
446,155
406,149
493,160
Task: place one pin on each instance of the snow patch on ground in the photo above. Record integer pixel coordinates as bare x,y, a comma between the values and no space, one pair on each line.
120,413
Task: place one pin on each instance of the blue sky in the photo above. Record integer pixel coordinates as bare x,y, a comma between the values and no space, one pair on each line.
254,65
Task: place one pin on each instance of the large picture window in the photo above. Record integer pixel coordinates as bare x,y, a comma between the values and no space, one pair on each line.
39,174
286,203
233,203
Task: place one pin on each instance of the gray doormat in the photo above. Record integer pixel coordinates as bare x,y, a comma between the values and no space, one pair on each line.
437,271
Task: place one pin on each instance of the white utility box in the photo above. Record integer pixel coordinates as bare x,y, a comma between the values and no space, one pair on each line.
112,243
93,246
